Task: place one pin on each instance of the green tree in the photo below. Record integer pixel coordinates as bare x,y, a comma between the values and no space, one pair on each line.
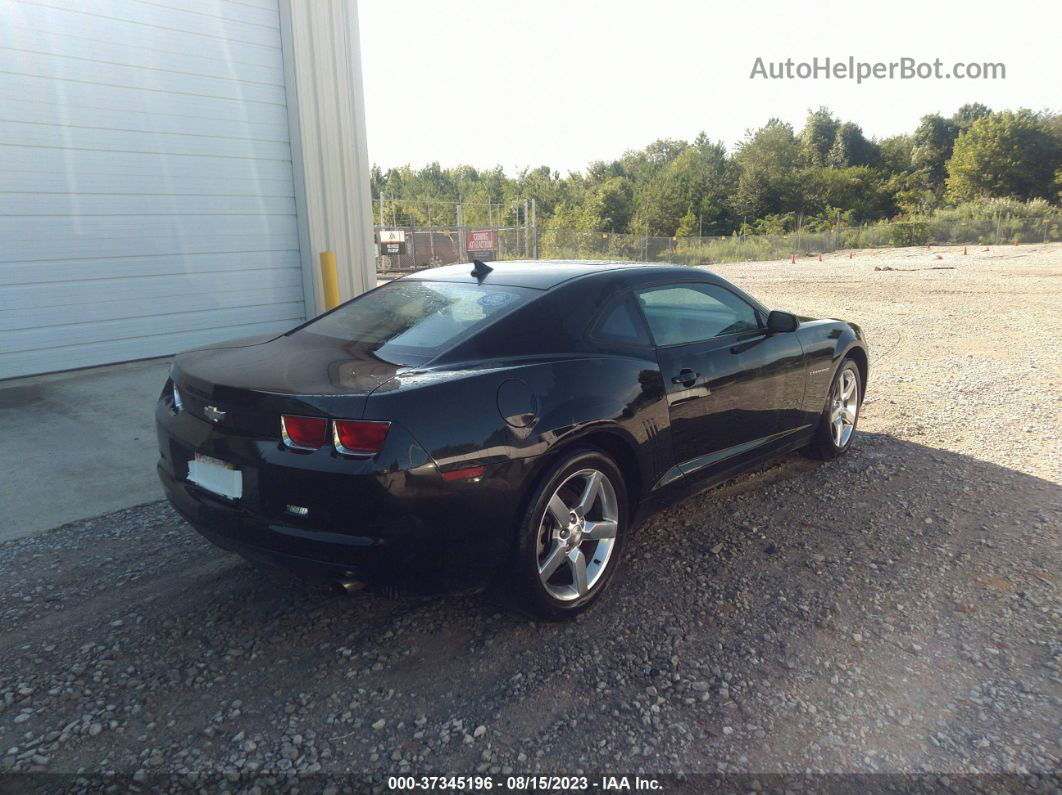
706,178
969,113
766,163
895,152
1004,154
818,136
659,204
851,148
606,207
911,193
932,145
688,224
857,193
774,180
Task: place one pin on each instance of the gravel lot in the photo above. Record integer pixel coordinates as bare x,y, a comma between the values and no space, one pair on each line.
897,610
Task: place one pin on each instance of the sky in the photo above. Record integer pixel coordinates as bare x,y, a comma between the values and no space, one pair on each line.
566,82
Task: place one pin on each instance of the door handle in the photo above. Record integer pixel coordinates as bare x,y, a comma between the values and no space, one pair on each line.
686,377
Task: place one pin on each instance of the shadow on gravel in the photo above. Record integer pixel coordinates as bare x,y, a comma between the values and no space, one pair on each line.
831,617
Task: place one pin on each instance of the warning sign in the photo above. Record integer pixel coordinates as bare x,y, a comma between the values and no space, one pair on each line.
392,242
485,240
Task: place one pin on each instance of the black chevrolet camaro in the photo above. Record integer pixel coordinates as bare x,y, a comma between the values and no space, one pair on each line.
501,424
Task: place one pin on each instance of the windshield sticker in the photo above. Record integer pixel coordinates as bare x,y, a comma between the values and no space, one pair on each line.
494,300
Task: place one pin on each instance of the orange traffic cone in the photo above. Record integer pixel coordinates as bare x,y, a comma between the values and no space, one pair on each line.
849,255
964,251
792,259
820,257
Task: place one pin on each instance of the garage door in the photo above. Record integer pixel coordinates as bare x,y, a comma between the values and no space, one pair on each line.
146,194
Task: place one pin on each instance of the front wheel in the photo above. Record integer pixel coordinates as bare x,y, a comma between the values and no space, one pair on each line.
571,536
839,418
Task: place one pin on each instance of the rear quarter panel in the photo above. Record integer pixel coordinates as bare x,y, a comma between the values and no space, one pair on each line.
458,418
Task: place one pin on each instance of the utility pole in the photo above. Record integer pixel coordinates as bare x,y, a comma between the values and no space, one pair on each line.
413,243
527,232
534,227
461,250
431,234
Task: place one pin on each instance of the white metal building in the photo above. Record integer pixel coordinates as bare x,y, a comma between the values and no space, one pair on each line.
170,171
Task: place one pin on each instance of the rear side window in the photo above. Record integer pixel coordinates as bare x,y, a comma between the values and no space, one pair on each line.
409,322
620,323
681,313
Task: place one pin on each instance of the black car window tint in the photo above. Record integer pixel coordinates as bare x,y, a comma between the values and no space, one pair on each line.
684,313
408,321
620,322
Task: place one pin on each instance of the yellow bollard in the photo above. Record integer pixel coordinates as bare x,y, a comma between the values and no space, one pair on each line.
329,280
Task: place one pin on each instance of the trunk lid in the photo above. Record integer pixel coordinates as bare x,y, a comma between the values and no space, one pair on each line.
253,382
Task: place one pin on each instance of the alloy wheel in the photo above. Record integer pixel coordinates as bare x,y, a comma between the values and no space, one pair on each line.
577,534
844,406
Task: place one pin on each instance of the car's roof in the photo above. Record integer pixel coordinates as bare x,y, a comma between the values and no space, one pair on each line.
537,274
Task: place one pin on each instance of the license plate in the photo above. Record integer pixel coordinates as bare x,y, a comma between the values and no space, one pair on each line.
216,476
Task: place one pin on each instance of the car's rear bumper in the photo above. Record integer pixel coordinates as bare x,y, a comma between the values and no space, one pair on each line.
398,522
301,549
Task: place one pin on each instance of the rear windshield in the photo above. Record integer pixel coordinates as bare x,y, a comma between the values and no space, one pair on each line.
409,322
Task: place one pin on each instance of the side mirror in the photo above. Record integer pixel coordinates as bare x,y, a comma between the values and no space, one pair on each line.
779,322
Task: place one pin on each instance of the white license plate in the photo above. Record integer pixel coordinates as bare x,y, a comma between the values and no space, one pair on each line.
217,476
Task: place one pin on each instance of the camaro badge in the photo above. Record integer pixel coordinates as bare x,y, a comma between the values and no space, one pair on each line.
213,413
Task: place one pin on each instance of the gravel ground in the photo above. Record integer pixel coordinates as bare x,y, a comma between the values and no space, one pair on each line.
894,611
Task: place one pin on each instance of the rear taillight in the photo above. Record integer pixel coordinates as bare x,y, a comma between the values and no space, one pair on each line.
355,437
303,433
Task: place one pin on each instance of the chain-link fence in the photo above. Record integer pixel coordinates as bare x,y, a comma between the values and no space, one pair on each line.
409,248
425,248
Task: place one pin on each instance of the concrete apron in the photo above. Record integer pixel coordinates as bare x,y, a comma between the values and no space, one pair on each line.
77,444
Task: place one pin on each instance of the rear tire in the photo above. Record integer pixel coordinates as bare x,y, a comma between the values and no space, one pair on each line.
570,536
840,415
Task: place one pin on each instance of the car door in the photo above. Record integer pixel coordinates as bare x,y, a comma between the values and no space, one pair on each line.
728,379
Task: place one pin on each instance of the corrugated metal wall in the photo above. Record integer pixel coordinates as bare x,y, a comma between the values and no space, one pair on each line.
146,189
